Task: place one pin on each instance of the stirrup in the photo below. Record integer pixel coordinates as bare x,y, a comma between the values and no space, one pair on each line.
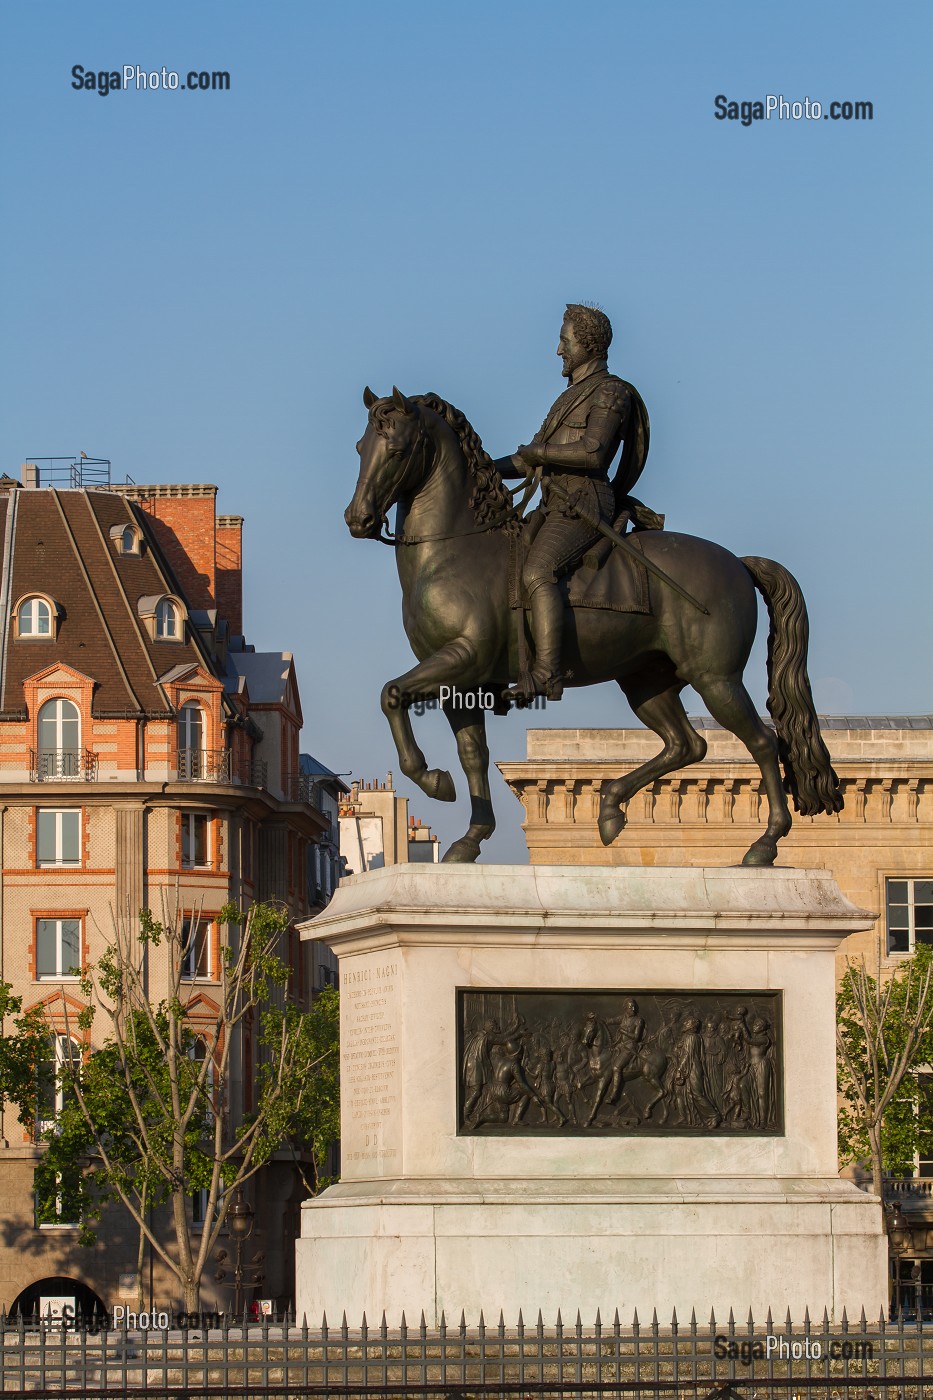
532,684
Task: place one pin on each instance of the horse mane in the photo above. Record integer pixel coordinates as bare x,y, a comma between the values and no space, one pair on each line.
488,495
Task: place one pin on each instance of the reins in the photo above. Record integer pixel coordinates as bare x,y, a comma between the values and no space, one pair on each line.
514,513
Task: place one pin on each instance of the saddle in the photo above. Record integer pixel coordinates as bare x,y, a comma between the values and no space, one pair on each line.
616,583
606,578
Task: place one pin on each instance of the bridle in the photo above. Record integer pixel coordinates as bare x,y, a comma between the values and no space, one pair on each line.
513,514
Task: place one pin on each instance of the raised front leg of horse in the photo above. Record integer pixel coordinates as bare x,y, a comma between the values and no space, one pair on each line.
452,665
469,727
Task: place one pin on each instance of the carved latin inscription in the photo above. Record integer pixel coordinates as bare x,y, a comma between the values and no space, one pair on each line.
370,1062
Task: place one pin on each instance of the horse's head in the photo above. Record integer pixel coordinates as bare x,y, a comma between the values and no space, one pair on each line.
393,453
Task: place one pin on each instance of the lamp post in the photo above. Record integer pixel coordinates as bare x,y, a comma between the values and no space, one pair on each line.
907,1239
899,1240
241,1217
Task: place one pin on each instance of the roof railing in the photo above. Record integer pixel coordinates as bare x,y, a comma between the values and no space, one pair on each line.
70,473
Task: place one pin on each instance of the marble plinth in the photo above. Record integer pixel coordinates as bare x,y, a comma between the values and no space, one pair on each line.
429,1219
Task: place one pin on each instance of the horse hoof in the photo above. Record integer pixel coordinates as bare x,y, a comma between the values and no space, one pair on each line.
462,852
762,852
438,783
609,827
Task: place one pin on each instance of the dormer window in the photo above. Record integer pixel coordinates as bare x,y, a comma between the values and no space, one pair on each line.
36,619
166,617
127,539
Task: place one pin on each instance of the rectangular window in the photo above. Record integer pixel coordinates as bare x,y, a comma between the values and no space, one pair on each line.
58,836
58,947
199,1207
196,945
248,834
195,839
61,1208
909,913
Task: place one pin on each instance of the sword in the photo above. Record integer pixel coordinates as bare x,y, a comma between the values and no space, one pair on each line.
621,542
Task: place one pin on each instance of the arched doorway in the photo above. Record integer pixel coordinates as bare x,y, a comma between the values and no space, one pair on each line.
87,1304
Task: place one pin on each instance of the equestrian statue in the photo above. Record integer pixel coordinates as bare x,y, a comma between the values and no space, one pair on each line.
589,587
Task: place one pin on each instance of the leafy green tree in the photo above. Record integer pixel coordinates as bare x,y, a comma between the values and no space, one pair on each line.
149,1115
20,1052
884,1035
306,1115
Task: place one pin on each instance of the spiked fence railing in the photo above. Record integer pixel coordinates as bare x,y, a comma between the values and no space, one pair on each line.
283,1359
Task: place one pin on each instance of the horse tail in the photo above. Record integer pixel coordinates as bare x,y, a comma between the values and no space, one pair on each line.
808,771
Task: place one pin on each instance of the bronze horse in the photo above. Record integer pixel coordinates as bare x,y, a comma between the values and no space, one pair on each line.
453,524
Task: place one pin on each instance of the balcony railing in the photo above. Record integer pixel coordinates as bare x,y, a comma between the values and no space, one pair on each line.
203,765
301,787
255,773
55,765
919,1187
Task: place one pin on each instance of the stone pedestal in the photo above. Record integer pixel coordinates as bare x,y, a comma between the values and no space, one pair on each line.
430,1216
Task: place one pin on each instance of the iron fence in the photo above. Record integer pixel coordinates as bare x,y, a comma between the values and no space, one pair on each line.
275,1360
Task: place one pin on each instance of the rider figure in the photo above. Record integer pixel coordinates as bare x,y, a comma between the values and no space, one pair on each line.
574,448
630,1032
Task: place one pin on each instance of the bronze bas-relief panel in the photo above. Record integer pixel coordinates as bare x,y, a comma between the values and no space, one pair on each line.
570,1063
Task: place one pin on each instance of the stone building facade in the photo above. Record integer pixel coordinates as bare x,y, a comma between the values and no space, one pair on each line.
879,847
376,830
145,751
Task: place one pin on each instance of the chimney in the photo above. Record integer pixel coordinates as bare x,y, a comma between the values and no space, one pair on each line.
183,522
230,571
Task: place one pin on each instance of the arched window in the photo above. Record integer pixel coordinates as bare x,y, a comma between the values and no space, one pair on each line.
167,628
59,740
128,540
34,618
191,755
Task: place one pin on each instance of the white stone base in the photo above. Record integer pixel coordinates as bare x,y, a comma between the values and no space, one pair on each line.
429,1219
446,1248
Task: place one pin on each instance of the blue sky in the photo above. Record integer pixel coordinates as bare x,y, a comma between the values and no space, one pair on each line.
198,285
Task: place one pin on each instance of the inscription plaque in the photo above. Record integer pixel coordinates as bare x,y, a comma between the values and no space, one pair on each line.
370,1073
565,1063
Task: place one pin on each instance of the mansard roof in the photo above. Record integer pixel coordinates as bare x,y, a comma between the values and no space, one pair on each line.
60,543
269,676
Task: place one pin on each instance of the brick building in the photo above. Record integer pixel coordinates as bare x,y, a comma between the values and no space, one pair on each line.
144,748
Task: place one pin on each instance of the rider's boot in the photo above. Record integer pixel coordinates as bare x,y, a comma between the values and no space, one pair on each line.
547,629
